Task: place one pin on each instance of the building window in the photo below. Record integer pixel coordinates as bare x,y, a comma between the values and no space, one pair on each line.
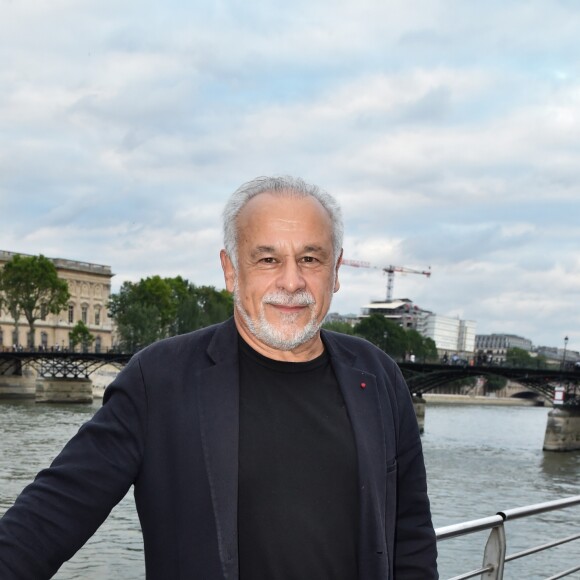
44,340
1,339
98,315
14,338
98,344
71,313
43,311
84,313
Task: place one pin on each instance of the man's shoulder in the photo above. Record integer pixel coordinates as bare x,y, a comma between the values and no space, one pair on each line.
196,343
346,346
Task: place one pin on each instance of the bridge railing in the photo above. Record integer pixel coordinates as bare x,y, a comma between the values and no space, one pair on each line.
494,553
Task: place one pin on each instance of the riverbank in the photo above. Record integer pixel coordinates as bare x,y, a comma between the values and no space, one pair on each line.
434,399
430,398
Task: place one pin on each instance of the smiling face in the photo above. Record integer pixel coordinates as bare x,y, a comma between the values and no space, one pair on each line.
286,275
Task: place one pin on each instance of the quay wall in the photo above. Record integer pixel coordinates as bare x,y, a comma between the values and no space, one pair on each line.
435,398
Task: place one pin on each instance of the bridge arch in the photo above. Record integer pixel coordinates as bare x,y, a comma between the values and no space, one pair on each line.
423,378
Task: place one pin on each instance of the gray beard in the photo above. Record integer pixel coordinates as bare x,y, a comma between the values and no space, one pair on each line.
289,336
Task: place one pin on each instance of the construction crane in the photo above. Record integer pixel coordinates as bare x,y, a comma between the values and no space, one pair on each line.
389,270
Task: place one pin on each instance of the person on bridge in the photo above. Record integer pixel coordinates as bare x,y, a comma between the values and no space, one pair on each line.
259,448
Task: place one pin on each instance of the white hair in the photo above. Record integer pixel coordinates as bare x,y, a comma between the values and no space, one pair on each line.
283,186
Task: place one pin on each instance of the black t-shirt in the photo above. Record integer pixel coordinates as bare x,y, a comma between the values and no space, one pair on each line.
298,482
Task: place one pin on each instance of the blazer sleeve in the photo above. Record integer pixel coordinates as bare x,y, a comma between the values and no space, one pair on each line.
415,544
57,513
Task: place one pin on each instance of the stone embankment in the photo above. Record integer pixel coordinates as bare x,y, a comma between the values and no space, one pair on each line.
435,398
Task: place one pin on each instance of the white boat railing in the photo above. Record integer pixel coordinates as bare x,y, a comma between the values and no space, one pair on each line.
494,554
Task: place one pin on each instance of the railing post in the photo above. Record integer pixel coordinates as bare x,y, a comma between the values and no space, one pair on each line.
494,554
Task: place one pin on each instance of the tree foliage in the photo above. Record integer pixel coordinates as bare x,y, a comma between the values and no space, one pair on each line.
395,340
30,287
337,326
518,357
80,335
156,308
495,382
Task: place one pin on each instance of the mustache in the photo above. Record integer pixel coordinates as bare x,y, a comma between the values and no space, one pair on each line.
281,298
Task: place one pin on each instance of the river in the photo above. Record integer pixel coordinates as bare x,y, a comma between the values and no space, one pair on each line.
480,459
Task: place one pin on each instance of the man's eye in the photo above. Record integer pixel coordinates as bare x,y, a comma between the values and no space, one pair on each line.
268,260
309,259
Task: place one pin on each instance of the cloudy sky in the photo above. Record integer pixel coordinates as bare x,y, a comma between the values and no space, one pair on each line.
449,130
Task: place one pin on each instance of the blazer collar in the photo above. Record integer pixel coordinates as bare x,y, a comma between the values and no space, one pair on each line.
360,391
218,402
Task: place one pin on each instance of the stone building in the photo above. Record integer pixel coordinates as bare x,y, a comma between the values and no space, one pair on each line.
494,347
90,287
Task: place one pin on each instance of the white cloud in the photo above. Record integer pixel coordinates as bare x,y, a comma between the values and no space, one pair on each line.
448,130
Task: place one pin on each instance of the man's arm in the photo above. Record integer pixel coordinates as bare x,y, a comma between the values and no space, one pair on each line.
56,514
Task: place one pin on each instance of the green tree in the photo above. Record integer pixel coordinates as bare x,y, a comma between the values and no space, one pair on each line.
423,348
156,308
143,312
384,333
80,335
30,286
395,340
337,326
216,305
431,353
495,382
202,306
9,302
518,357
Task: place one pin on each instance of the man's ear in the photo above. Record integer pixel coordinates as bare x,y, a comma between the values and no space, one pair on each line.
229,271
336,280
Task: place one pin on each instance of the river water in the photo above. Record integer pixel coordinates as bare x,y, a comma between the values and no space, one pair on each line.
480,460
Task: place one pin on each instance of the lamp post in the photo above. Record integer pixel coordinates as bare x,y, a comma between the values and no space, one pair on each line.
564,356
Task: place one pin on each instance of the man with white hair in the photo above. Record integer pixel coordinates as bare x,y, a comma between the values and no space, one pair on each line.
259,448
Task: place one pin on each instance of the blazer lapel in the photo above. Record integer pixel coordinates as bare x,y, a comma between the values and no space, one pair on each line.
219,420
360,393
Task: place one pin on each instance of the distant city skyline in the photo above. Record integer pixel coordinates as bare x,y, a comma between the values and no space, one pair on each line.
448,131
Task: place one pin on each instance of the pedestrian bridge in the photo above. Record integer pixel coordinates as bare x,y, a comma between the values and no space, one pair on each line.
64,377
422,378
70,365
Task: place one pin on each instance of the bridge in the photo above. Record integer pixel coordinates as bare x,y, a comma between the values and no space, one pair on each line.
422,378
53,377
48,364
61,377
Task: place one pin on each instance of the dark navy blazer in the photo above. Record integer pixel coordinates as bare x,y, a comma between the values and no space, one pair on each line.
169,426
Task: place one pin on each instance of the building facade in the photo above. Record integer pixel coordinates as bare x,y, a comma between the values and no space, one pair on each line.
451,335
492,348
90,287
401,311
557,355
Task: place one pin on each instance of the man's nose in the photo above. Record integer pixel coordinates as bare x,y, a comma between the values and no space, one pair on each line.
291,278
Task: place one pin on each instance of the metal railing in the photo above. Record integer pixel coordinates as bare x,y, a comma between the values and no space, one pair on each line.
494,556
